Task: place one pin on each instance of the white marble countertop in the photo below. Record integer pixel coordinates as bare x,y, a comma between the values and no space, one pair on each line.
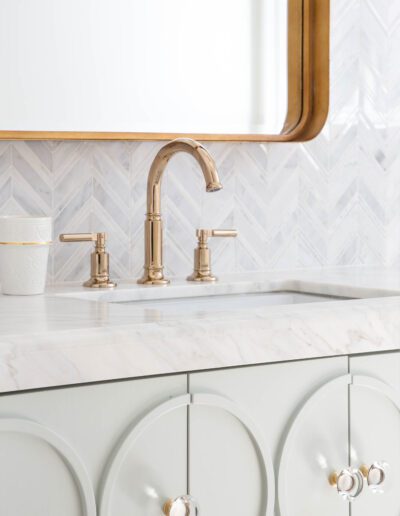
56,339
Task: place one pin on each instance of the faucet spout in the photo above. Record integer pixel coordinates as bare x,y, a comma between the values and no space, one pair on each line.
153,268
161,160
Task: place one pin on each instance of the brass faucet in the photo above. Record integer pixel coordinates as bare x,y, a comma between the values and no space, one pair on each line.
153,229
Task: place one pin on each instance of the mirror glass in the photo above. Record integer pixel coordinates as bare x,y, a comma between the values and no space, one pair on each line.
144,66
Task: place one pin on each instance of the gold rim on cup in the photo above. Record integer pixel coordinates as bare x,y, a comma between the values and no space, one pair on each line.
26,243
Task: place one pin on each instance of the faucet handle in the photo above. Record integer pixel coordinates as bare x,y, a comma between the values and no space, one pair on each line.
99,260
202,254
204,234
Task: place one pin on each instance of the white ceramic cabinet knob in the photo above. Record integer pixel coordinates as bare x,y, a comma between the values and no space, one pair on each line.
349,483
182,506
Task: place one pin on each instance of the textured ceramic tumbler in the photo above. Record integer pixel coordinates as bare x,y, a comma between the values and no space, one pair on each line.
24,253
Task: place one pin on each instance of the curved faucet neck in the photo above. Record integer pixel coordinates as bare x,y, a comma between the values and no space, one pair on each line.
160,162
153,235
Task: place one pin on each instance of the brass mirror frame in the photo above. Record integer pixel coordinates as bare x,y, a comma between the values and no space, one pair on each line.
308,87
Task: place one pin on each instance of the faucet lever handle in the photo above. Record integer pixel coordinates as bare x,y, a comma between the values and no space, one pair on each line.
99,260
202,254
204,234
99,238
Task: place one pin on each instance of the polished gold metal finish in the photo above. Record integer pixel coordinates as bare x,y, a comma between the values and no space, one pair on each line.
333,478
167,507
202,254
99,263
26,243
153,230
308,87
364,469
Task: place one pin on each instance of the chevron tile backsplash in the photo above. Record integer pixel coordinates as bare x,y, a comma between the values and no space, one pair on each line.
332,201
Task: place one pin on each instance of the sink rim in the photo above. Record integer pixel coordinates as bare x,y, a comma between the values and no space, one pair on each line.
157,296
229,302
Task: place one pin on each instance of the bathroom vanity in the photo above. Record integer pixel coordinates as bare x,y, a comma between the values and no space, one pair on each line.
248,394
271,394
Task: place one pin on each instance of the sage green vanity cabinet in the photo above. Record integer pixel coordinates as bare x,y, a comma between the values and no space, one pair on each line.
313,417
375,429
57,465
225,472
255,441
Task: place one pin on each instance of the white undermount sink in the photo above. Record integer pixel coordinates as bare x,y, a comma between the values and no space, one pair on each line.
203,303
230,302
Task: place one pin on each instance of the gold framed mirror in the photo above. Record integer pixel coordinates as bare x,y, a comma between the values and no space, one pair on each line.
250,70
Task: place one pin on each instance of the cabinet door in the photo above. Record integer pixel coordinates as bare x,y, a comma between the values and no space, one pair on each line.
58,446
225,472
375,428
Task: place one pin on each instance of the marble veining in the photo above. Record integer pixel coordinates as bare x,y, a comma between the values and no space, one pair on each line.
56,339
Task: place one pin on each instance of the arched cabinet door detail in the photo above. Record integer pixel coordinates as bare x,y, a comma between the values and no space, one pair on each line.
132,436
375,444
315,445
42,474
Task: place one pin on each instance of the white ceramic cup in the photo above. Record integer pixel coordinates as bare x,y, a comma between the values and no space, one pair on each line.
24,253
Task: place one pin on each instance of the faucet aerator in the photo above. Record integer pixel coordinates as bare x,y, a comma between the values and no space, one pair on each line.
214,187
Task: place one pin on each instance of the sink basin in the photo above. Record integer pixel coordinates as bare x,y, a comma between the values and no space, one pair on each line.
227,303
185,298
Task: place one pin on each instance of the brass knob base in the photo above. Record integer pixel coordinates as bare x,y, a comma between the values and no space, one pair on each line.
95,283
167,507
332,479
197,276
149,281
153,276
